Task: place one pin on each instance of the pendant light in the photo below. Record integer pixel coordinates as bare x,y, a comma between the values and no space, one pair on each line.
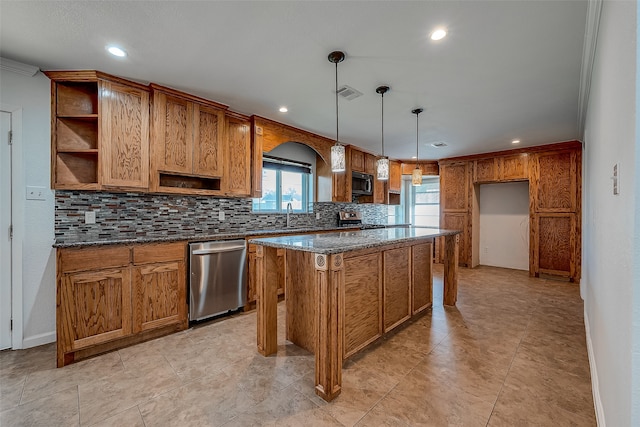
338,161
382,164
416,176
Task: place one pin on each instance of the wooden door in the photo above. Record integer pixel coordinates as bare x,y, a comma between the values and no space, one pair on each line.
159,297
357,160
395,176
96,308
397,286
173,133
207,141
124,136
421,278
238,157
362,314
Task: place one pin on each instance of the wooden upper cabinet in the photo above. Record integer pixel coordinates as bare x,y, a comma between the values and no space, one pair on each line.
395,176
124,136
429,167
238,158
173,133
485,170
555,178
370,164
207,141
257,139
357,160
514,167
454,186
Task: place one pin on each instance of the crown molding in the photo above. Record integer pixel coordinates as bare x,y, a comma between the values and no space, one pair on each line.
594,9
18,67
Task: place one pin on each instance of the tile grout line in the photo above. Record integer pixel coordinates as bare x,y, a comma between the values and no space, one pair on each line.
493,408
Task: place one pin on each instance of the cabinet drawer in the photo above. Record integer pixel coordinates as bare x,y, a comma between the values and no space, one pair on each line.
86,259
159,252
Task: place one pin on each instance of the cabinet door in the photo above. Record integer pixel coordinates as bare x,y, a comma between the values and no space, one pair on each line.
362,301
357,161
514,167
554,244
96,307
485,170
395,177
370,164
238,159
555,179
256,161
422,280
124,136
454,187
173,133
207,141
397,288
159,297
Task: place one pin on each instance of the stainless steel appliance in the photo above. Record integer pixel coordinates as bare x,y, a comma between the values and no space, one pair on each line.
354,219
361,184
217,277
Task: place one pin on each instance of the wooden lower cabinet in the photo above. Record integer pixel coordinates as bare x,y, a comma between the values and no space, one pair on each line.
397,286
362,301
421,277
110,297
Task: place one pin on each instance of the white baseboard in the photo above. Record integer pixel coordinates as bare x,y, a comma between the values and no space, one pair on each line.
595,387
40,339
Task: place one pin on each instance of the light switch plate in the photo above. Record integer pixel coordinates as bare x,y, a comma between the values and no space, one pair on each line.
90,217
36,193
221,215
317,215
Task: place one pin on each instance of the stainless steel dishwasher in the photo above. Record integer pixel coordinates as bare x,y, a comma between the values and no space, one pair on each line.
217,277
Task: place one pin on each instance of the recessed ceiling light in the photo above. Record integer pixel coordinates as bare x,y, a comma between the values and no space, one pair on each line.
414,157
283,109
515,141
438,34
116,51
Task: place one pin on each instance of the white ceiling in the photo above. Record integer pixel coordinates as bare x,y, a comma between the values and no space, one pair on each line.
506,70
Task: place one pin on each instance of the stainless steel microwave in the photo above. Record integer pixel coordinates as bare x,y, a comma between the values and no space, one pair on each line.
361,184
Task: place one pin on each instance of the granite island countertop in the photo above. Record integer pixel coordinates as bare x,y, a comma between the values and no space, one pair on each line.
190,237
338,242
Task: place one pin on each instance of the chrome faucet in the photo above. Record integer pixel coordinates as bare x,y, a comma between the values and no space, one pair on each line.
289,212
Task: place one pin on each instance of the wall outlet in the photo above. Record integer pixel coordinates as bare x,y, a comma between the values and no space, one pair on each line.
317,215
221,215
36,193
90,217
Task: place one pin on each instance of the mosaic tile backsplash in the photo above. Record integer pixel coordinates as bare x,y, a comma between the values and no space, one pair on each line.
133,215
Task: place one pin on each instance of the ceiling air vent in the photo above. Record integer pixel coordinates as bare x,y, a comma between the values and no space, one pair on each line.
438,144
348,93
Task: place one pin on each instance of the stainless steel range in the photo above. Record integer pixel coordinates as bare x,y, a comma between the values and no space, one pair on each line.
354,219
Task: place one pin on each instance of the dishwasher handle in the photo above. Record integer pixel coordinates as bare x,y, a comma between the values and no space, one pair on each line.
217,251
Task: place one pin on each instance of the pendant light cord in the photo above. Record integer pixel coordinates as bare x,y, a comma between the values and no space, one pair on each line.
337,115
382,94
417,158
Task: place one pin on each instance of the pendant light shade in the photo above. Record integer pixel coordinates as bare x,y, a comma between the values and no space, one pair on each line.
338,162
416,176
382,164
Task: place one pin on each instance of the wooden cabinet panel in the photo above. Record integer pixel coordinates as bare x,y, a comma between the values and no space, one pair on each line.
395,176
459,221
96,307
207,141
422,280
124,136
485,170
256,160
159,295
173,119
555,178
555,242
238,159
362,301
454,187
396,294
357,160
370,164
514,167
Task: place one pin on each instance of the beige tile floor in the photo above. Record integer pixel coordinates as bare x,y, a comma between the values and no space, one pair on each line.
511,353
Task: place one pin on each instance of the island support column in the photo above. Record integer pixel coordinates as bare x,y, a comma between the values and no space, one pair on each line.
266,268
329,285
450,294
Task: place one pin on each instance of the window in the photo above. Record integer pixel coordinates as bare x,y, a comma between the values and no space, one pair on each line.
419,205
284,182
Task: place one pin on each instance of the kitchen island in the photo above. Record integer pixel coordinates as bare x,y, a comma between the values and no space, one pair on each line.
345,290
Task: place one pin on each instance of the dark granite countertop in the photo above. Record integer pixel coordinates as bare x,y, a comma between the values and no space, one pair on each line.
201,237
338,242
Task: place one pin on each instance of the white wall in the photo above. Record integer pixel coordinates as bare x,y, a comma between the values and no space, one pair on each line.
32,95
504,225
609,220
